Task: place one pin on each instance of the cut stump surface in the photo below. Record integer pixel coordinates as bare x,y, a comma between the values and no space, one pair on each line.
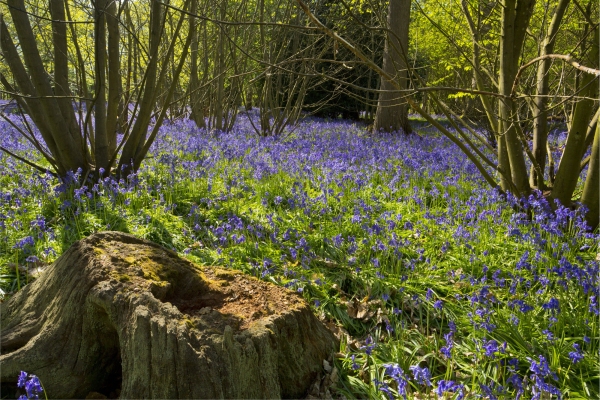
123,317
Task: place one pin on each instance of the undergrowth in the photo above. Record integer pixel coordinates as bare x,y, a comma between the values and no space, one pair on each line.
435,284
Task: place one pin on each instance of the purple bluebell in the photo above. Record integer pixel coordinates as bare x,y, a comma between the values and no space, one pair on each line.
397,374
577,355
421,375
490,347
31,384
445,386
517,382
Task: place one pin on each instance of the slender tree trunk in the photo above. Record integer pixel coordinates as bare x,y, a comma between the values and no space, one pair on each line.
33,104
515,19
69,144
101,147
87,129
141,153
139,130
540,119
61,64
479,82
220,71
115,100
195,105
569,167
591,188
392,112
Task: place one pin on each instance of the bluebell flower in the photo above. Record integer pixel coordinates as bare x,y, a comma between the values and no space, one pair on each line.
355,366
369,345
32,385
577,355
452,326
421,375
553,304
490,347
396,373
384,387
429,294
32,259
488,392
449,386
540,386
541,368
22,379
26,241
549,335
517,382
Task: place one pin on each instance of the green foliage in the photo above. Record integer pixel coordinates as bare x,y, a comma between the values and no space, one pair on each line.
392,240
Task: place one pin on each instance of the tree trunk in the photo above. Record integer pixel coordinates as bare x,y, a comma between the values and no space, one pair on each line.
392,112
121,316
101,146
148,97
115,106
220,70
68,144
540,119
486,102
195,99
591,189
568,169
515,19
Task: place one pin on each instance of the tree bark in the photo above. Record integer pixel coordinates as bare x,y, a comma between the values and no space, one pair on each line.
591,189
197,115
115,100
486,101
121,316
568,169
148,97
69,144
101,147
392,111
540,119
61,64
515,19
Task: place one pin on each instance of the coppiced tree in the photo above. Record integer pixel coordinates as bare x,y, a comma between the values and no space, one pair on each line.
72,141
285,64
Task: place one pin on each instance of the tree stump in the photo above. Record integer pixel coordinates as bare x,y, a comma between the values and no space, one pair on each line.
119,316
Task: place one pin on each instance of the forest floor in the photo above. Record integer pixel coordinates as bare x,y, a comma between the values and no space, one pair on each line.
436,284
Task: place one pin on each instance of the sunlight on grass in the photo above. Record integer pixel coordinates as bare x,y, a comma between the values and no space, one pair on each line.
434,283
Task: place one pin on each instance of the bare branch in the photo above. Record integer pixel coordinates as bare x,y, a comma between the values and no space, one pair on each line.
564,57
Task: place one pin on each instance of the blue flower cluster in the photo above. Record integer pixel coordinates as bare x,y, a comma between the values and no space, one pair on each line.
396,239
31,384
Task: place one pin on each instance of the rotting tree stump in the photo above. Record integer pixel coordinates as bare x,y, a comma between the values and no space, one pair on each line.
123,317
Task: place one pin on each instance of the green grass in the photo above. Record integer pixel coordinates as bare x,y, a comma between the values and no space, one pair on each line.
420,234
